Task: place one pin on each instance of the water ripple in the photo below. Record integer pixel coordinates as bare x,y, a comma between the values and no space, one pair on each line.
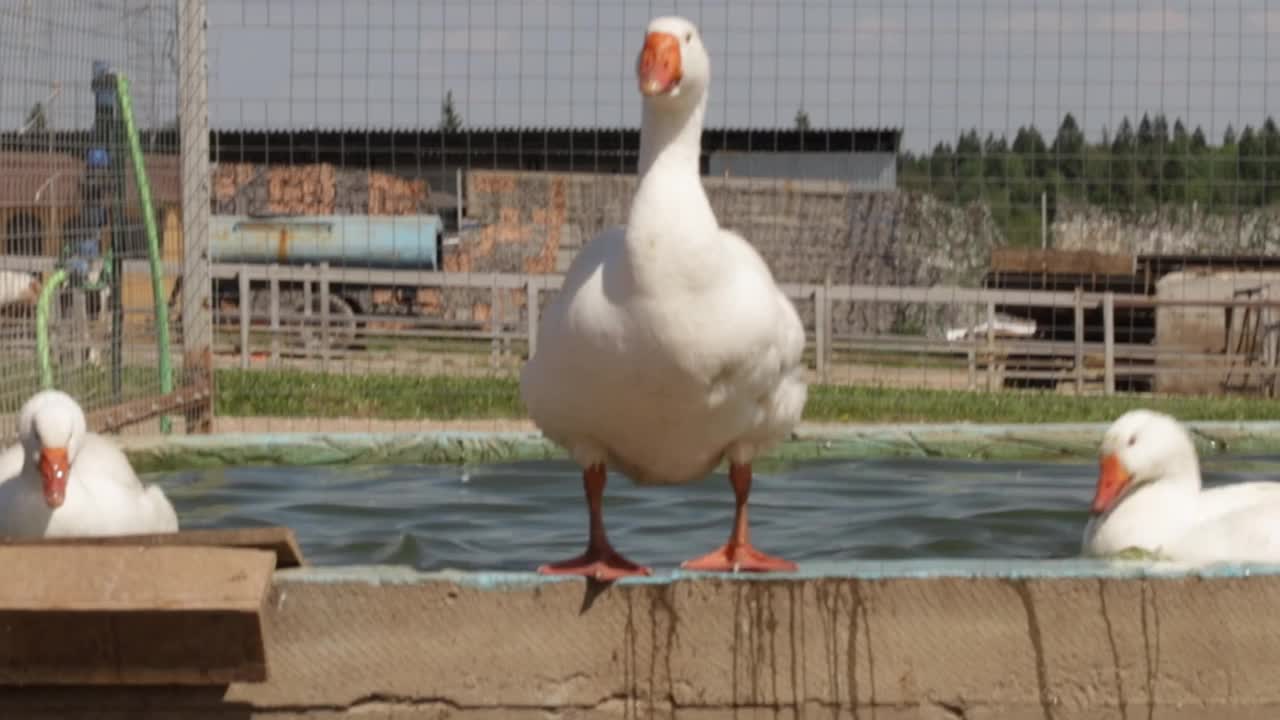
516,516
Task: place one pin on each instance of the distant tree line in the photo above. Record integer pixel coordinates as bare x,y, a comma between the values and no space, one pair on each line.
1131,170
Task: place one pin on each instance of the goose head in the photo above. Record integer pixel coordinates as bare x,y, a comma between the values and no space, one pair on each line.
673,69
52,428
1140,449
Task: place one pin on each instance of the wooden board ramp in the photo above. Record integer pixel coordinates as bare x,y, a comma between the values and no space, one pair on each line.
279,540
179,608
86,614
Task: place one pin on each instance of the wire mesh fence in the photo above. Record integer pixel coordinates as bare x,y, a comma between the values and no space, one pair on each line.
91,211
1072,197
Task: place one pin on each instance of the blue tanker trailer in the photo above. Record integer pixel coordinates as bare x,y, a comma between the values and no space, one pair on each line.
364,242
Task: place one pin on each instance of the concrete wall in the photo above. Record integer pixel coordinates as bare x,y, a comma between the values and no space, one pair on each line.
1203,330
300,442
1065,640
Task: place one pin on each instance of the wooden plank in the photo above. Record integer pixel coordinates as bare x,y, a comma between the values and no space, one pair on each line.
951,295
273,297
370,276
91,615
531,293
1082,262
192,273
821,308
1078,317
114,417
279,540
324,317
1109,343
938,294
246,303
991,346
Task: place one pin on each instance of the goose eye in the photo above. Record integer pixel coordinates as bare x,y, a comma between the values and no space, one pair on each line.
1133,440
688,37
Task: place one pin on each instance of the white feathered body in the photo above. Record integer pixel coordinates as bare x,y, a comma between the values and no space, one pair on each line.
661,355
104,497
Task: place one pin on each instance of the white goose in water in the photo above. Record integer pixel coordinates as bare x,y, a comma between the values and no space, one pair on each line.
1149,497
669,347
63,481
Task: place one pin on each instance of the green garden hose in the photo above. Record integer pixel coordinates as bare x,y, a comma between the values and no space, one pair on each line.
47,293
153,241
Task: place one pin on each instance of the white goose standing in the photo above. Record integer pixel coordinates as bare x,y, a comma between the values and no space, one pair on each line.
61,480
669,347
1149,497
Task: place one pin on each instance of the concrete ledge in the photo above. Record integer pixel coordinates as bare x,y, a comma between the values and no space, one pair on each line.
1065,639
1043,442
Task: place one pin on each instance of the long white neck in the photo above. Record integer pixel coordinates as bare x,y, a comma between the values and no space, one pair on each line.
670,208
671,138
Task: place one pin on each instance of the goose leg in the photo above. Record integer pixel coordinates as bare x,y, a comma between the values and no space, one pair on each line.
600,561
738,554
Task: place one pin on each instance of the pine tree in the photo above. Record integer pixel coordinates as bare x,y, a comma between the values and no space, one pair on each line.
450,120
802,120
37,122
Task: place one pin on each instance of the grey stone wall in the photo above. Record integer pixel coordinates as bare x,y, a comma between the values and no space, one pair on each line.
1169,230
804,230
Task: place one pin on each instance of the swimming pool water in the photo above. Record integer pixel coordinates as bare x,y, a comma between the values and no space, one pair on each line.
516,516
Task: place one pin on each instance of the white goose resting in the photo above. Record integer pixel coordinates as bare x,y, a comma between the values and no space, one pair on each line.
669,347
1149,497
18,288
63,481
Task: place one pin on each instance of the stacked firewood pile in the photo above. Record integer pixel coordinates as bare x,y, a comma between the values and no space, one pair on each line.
319,189
391,195
305,190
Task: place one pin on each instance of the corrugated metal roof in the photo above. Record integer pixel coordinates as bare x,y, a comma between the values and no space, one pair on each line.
578,141
329,129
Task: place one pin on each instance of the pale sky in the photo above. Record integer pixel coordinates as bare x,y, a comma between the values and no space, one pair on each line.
931,67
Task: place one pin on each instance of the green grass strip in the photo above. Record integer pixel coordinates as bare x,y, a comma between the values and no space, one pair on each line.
291,393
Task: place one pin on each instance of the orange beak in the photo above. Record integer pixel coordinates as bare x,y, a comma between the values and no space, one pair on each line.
54,468
1112,481
659,69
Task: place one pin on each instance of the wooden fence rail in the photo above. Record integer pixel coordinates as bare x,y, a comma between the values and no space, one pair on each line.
983,349
988,346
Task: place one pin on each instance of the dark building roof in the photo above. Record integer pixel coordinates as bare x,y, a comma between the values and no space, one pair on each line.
582,149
